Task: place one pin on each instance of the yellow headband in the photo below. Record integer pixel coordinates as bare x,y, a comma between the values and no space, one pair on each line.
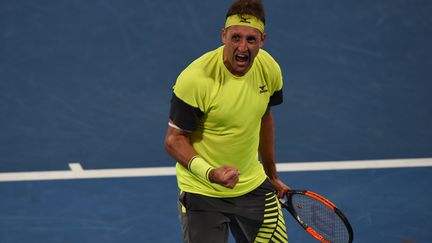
245,20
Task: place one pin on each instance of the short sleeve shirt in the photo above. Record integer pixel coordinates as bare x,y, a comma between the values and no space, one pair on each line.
223,114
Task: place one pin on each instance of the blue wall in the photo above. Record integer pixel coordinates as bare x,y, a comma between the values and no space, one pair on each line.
90,81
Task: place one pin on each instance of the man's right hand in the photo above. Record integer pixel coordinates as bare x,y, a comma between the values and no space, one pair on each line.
226,176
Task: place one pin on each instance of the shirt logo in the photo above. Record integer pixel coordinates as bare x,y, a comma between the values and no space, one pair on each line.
263,89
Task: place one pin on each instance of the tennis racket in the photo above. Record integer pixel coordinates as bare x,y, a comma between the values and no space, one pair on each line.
318,216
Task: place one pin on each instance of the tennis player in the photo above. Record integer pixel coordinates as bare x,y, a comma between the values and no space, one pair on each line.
221,133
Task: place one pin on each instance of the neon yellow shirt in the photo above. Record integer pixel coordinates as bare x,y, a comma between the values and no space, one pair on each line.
228,133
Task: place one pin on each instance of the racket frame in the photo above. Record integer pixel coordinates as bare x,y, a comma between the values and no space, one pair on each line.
287,204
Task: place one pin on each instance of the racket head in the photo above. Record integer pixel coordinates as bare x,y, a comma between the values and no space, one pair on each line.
318,216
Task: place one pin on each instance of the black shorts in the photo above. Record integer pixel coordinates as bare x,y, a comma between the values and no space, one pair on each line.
253,217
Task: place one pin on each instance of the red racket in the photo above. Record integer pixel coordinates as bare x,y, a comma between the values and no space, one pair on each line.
318,216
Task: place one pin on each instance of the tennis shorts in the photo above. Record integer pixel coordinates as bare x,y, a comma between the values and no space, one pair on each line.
253,217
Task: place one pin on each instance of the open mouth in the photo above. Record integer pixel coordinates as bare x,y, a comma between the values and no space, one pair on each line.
242,58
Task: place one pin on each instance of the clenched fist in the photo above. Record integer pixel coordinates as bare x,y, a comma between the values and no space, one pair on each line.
226,176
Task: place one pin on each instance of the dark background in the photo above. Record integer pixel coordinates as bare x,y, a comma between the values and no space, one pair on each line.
90,82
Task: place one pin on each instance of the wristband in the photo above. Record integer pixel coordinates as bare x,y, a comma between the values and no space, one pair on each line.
199,167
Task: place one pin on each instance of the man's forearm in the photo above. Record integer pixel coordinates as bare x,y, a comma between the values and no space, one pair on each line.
266,146
178,146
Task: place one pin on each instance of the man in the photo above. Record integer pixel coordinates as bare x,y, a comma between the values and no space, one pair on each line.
220,126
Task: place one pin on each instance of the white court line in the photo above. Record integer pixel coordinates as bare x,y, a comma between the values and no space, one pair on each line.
75,167
77,172
356,165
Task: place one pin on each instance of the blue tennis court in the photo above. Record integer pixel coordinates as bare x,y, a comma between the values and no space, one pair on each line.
85,89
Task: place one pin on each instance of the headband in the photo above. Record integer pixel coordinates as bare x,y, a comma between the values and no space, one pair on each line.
245,20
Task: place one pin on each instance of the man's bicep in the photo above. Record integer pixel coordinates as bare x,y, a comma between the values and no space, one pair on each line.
183,115
276,98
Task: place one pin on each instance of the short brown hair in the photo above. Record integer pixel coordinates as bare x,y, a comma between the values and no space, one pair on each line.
247,7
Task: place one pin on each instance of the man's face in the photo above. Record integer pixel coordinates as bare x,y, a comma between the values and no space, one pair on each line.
242,44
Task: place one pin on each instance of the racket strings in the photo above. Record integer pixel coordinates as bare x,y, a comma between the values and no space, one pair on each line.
320,218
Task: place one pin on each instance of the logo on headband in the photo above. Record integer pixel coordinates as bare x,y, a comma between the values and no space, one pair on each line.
245,20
